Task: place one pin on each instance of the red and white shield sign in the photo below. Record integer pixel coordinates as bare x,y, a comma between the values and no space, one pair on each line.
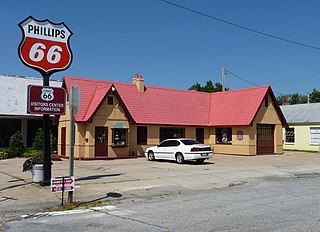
45,45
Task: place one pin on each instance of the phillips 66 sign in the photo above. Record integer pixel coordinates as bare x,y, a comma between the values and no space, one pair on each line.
45,45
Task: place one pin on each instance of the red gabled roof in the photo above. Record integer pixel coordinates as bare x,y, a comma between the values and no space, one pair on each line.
163,106
236,107
92,92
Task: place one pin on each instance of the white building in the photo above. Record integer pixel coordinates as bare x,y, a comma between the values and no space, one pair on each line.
303,132
13,109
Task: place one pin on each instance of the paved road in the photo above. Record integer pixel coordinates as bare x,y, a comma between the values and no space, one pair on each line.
139,178
270,204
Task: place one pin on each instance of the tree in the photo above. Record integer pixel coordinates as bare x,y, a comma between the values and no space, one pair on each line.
292,99
209,87
38,140
315,96
298,99
16,146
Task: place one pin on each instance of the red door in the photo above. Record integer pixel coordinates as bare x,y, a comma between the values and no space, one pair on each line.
63,141
101,142
265,139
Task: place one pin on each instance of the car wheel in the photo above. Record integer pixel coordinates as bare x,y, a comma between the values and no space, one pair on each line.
179,158
151,156
200,161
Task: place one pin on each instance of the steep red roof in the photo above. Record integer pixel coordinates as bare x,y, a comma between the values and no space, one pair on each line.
236,107
163,106
92,93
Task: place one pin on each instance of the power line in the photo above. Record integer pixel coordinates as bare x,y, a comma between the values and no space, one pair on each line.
241,78
240,26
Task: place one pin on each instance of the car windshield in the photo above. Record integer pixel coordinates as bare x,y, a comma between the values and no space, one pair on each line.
189,142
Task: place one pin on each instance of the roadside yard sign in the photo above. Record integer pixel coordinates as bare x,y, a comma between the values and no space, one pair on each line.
46,100
59,189
62,184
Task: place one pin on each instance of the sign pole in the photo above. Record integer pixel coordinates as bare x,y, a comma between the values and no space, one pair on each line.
46,142
71,158
62,191
45,48
74,101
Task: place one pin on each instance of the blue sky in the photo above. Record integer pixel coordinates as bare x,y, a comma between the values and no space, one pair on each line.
174,48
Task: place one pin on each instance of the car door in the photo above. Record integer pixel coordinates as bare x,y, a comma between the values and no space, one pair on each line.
161,151
171,149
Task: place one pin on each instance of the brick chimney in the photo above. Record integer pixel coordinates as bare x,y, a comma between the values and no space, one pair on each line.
139,81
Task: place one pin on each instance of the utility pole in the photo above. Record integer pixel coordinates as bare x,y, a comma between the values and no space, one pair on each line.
223,79
74,102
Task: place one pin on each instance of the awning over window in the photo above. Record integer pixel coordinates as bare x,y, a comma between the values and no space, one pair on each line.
119,125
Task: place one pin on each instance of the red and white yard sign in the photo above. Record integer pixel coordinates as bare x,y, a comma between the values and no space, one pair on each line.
64,184
45,45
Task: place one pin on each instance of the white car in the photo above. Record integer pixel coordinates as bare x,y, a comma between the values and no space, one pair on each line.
180,150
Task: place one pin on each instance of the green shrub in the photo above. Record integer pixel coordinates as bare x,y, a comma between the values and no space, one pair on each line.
31,152
53,142
27,153
38,140
16,146
3,155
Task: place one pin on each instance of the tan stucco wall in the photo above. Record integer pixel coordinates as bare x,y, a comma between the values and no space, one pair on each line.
107,116
302,139
153,139
248,146
268,115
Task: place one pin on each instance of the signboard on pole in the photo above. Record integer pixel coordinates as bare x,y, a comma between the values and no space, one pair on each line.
62,184
45,48
74,99
45,45
46,100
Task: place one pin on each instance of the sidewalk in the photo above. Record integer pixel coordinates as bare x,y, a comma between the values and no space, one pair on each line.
98,178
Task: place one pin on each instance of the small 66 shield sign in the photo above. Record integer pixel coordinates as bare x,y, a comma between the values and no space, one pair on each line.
46,100
45,45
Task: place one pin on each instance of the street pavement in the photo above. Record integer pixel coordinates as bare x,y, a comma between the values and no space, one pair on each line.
138,177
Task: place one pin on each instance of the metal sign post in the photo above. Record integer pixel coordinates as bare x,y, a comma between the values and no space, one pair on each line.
45,48
46,143
74,101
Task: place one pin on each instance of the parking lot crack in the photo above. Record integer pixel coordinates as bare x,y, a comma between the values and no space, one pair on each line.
136,220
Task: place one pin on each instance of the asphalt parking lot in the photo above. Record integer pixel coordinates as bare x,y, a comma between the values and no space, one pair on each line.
100,179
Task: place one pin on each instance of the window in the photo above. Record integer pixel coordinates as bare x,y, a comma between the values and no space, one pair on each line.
119,137
315,135
171,133
200,135
110,100
224,135
189,142
289,135
142,135
119,134
266,101
170,143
